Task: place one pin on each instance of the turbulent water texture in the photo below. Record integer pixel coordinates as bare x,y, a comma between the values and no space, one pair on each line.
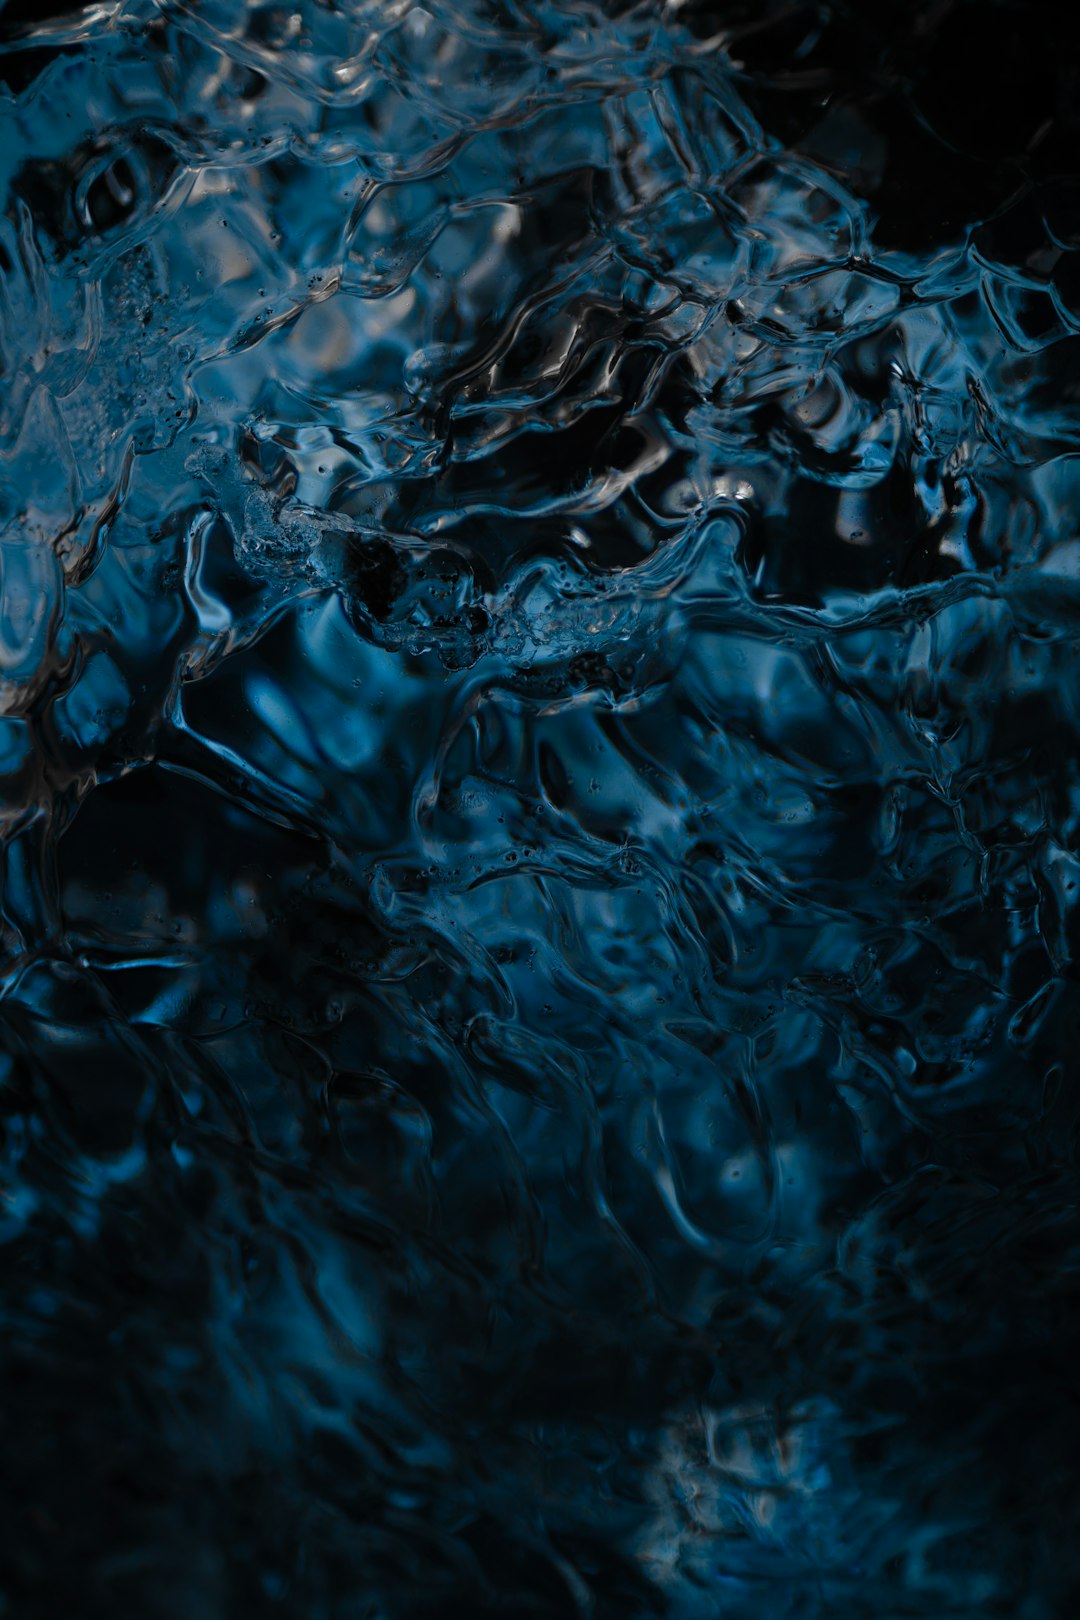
539,724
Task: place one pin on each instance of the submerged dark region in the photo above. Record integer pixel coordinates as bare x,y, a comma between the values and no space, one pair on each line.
539,722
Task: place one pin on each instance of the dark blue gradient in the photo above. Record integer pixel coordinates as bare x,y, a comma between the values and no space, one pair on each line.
540,737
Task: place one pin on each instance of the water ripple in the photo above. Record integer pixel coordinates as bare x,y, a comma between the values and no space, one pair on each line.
538,668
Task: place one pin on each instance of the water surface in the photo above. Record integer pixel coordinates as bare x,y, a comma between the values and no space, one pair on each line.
538,725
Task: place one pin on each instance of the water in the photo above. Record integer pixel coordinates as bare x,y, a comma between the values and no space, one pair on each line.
538,669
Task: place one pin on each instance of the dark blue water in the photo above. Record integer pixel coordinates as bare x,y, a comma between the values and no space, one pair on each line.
540,739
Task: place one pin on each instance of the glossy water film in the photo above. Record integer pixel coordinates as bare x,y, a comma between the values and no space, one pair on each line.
539,732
